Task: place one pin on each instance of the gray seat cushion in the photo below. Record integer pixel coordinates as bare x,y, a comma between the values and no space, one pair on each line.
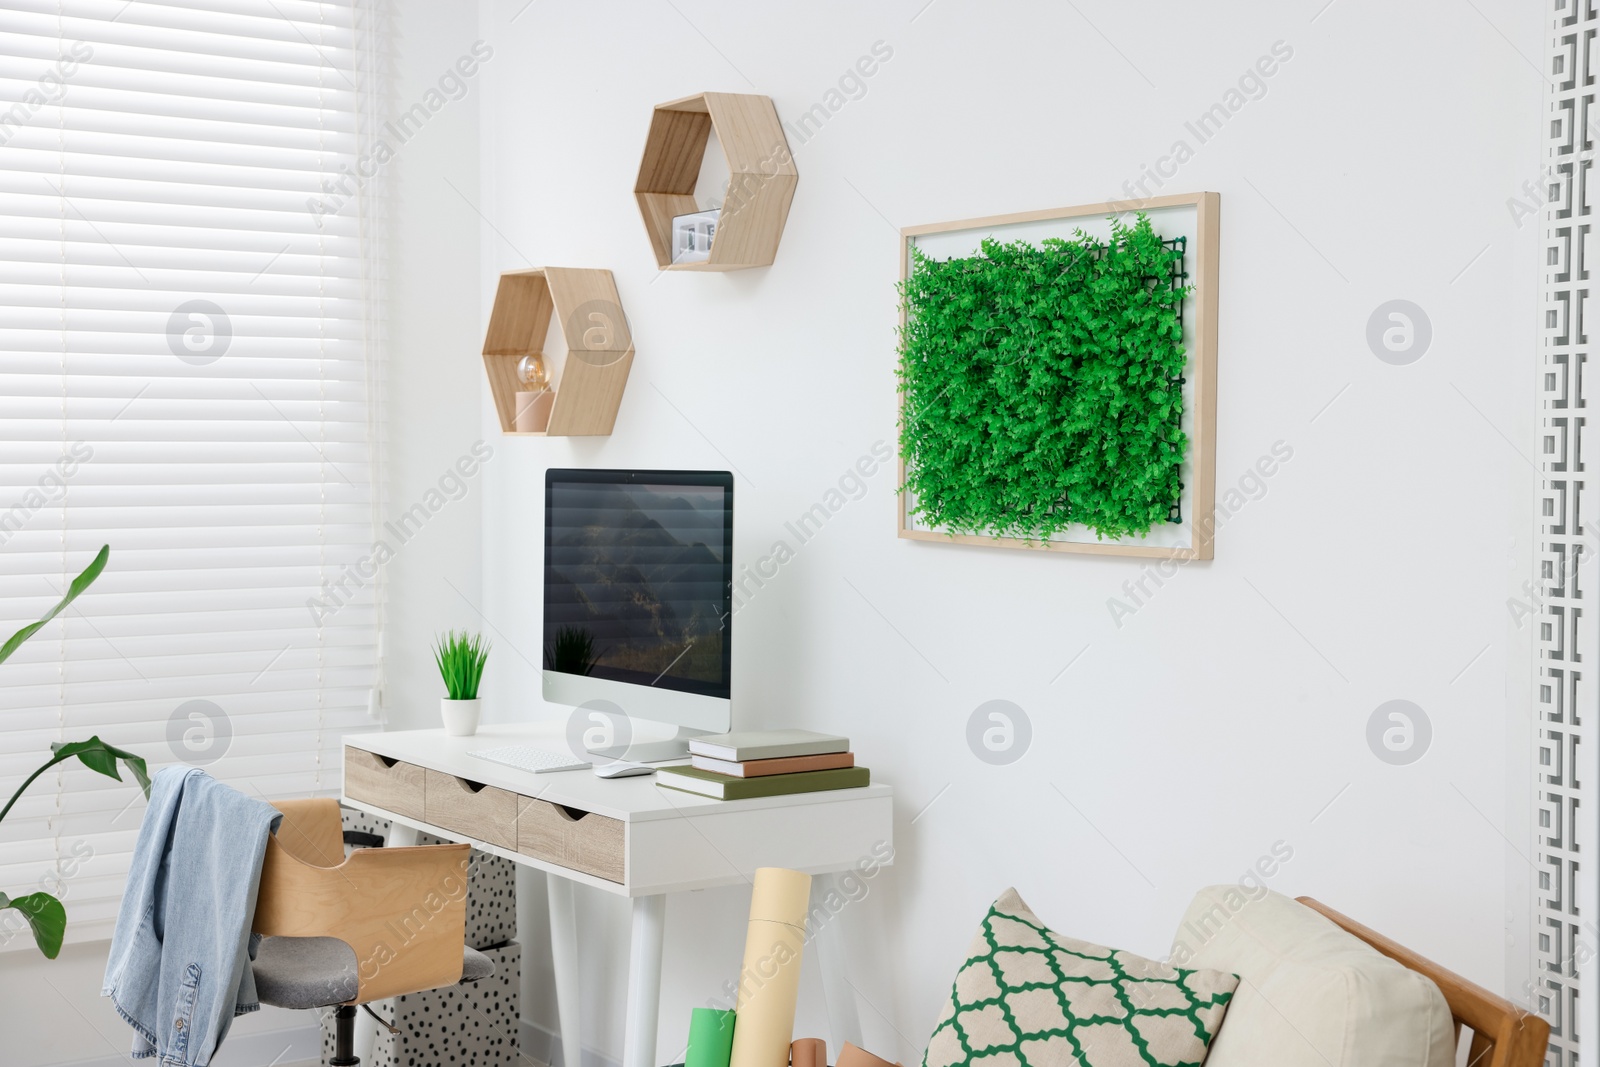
314,972
475,965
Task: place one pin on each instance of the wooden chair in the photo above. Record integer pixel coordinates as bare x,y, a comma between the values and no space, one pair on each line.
382,923
1500,1033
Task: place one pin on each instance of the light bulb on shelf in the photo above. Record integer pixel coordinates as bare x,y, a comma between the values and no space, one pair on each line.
530,372
534,398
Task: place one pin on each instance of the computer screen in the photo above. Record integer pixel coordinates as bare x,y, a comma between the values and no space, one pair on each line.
638,577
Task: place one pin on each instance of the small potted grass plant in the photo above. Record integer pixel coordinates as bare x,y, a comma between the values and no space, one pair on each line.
460,657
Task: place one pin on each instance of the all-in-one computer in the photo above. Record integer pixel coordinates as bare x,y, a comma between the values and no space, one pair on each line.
638,588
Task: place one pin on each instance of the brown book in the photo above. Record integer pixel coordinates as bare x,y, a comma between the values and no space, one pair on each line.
757,768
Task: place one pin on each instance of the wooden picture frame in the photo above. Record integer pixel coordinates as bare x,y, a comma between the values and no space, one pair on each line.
1200,337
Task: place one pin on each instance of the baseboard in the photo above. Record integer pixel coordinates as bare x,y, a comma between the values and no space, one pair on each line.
544,1046
297,1047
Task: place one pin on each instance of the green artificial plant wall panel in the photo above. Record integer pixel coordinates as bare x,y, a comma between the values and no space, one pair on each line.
1043,390
1042,385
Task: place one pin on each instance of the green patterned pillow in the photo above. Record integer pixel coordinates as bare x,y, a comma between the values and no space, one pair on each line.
1028,997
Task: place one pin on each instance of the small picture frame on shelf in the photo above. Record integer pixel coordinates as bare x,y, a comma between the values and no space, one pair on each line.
692,235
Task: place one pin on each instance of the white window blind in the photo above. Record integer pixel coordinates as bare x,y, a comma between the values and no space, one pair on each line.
184,333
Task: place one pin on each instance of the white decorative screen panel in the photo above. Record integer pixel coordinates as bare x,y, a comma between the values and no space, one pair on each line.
1563,941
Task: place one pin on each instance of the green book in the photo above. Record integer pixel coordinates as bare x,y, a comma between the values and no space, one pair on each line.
727,787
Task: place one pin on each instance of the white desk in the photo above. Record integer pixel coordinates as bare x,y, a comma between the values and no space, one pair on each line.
625,836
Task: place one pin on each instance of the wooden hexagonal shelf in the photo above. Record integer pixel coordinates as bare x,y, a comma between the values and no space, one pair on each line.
761,183
585,304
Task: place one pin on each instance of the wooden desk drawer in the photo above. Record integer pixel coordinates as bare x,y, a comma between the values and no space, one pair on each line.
385,782
577,839
479,811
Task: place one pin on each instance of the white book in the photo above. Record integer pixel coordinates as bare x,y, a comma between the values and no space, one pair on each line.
744,745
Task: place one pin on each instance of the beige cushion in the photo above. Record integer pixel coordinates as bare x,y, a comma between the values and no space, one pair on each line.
1310,995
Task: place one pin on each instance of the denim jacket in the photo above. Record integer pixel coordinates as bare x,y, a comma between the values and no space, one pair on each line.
180,962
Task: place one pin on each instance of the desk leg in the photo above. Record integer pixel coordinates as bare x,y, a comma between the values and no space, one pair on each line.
844,1021
644,981
564,961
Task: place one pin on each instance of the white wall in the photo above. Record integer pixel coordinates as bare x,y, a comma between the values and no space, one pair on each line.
434,337
1229,713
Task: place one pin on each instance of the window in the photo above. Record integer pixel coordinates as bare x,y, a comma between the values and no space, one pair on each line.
185,321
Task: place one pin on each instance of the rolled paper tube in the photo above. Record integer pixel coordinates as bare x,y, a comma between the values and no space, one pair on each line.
850,1056
769,980
533,410
710,1038
808,1052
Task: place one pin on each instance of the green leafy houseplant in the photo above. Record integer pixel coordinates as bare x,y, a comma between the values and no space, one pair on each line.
1041,385
461,657
46,915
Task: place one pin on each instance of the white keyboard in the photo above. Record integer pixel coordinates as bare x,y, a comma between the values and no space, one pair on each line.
529,758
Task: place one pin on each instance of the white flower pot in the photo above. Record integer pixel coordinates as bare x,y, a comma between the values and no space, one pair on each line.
460,716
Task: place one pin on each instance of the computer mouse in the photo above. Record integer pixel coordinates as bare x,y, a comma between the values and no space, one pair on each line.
623,769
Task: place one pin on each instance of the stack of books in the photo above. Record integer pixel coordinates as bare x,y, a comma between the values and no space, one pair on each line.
765,763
